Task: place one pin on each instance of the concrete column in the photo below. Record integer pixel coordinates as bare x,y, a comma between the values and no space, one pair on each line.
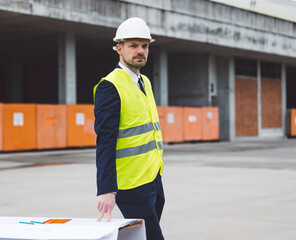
284,97
212,81
14,85
231,99
259,112
67,68
160,76
156,76
220,93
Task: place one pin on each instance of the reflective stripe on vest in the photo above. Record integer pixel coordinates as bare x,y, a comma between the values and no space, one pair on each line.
157,125
123,133
128,152
160,145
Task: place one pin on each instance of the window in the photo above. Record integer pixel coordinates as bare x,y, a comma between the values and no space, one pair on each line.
271,70
245,67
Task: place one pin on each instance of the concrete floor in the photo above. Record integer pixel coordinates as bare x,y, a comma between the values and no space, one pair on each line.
214,191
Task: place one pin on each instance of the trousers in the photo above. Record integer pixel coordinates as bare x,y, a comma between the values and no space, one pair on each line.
145,202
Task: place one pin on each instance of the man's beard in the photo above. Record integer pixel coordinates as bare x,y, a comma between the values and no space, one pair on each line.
135,65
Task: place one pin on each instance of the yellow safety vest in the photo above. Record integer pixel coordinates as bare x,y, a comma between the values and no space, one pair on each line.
139,143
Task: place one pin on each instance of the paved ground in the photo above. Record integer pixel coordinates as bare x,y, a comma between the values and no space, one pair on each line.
214,191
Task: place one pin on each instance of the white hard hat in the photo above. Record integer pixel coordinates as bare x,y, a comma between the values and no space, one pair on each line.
133,28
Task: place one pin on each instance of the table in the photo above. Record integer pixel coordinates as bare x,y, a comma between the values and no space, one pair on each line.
33,228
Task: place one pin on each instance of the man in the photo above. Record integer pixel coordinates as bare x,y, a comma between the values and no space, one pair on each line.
129,142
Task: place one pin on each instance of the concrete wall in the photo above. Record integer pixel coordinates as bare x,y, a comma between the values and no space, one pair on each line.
188,80
29,71
196,20
222,99
93,63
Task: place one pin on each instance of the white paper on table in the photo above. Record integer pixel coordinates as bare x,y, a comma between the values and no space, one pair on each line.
77,228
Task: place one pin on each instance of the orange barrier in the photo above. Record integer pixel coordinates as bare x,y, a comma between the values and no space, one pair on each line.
19,127
173,124
51,126
1,126
160,111
210,123
80,125
30,126
192,123
291,122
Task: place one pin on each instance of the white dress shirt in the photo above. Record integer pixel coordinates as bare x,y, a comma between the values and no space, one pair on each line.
134,76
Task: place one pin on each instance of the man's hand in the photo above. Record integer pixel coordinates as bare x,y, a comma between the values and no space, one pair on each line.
106,203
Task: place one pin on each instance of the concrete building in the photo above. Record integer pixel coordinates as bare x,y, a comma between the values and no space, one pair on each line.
206,54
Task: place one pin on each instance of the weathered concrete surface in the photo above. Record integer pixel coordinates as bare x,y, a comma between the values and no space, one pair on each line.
225,77
216,191
188,80
195,20
284,9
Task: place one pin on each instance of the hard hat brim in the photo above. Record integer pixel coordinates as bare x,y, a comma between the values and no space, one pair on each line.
121,40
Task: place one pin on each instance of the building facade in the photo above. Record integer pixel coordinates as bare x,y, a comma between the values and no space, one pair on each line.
206,54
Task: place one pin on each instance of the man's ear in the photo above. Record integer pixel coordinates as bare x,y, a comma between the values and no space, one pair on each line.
119,48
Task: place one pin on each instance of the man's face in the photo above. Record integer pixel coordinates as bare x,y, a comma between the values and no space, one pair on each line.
133,53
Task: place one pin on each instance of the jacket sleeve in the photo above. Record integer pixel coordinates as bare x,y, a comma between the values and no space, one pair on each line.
107,117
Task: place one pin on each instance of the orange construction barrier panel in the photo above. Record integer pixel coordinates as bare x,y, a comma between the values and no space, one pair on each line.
19,127
291,122
192,123
1,126
51,126
173,129
210,123
160,111
80,125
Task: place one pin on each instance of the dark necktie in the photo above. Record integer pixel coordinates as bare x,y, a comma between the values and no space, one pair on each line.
141,85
